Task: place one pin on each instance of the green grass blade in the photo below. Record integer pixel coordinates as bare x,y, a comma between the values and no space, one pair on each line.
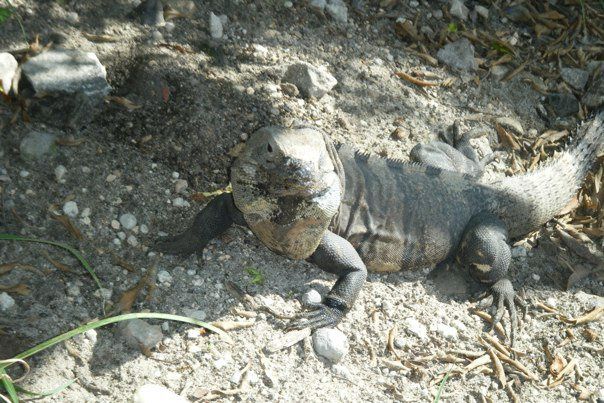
74,252
103,322
8,386
52,392
441,387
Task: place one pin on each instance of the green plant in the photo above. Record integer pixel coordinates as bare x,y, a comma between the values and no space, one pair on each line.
452,27
256,275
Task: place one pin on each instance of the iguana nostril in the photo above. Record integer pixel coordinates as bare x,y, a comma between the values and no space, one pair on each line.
269,148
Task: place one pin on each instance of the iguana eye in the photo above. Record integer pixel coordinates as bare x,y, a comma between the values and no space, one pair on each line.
269,148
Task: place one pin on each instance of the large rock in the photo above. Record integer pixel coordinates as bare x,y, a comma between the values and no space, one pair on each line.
310,81
70,86
330,343
8,68
458,54
576,78
563,104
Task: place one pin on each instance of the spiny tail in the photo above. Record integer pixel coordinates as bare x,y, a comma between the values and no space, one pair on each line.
525,202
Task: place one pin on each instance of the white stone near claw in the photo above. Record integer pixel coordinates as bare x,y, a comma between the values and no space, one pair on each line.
331,344
6,302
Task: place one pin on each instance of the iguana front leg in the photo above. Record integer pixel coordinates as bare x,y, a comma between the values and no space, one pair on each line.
335,255
214,219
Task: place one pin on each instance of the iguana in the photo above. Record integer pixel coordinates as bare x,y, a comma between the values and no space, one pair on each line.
347,212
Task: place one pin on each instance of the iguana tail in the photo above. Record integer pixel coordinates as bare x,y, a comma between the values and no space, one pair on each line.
525,202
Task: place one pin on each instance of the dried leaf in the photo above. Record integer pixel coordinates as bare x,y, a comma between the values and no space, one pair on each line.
480,361
125,102
590,334
233,325
497,367
287,340
20,289
100,38
414,80
69,141
593,315
62,267
507,138
69,226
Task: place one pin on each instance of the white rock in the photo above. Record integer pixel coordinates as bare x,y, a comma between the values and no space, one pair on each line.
519,251
342,371
311,297
164,277
193,334
416,328
8,67
91,335
536,277
115,224
144,229
71,209
132,241
446,331
169,26
128,221
73,290
551,301
329,343
180,202
60,172
6,302
151,393
216,30
86,212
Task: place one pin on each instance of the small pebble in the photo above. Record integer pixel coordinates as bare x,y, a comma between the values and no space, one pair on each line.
91,335
144,229
169,27
6,302
139,333
85,212
536,277
416,328
128,221
193,334
551,301
73,290
157,36
60,172
195,314
180,202
132,241
180,185
71,209
121,235
115,224
288,4
311,298
164,277
446,331
23,173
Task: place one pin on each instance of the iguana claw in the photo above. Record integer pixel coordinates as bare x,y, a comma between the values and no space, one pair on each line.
320,316
504,297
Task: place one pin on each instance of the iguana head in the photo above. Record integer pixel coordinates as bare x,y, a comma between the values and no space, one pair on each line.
286,185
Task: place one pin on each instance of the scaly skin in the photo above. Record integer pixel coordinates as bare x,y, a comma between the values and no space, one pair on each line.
347,212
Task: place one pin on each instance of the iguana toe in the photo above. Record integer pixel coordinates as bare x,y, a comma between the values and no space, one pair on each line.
321,316
505,298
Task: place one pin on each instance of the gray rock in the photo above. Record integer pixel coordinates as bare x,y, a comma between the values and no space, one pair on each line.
180,202
216,30
60,172
151,393
151,12
338,10
35,145
6,302
74,85
70,209
180,185
342,372
310,81
138,333
414,327
459,10
458,54
128,220
195,314
499,71
519,251
576,78
8,68
594,97
563,104
164,277
311,298
330,344
67,71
